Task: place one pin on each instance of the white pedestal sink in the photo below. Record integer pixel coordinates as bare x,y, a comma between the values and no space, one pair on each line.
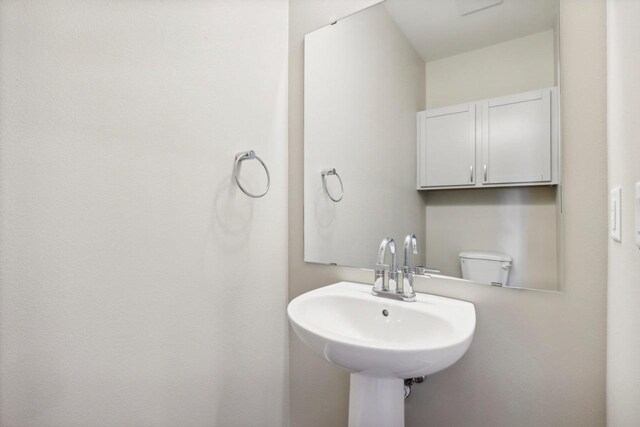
381,342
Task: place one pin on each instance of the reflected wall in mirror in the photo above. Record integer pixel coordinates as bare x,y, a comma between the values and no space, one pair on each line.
437,118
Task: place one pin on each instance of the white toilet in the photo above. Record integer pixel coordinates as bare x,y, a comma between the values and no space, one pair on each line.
486,267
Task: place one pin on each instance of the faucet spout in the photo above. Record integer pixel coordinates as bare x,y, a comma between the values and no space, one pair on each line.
382,251
379,284
410,240
405,286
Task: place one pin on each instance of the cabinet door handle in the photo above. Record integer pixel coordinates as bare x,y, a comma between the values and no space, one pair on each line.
471,174
485,173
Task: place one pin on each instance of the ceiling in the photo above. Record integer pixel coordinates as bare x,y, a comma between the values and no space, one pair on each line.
437,29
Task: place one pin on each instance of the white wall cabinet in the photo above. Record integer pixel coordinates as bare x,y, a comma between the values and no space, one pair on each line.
448,146
506,141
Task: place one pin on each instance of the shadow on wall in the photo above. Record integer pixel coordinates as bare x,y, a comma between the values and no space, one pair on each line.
492,196
232,213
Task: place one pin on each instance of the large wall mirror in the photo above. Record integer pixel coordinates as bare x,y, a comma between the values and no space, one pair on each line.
437,118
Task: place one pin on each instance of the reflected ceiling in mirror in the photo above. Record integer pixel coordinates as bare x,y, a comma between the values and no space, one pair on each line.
439,119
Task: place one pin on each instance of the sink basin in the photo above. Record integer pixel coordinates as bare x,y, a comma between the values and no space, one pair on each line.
381,342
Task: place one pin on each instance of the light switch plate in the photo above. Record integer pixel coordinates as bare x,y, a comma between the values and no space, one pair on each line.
637,203
615,227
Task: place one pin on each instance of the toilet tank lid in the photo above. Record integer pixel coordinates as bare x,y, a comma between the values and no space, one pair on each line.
490,256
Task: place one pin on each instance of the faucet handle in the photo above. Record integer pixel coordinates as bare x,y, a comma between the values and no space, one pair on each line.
379,279
424,271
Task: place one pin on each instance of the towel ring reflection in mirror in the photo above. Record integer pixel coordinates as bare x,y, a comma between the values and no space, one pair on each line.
249,155
326,172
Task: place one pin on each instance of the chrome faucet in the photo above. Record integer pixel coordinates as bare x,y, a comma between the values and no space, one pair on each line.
403,289
406,285
392,289
379,284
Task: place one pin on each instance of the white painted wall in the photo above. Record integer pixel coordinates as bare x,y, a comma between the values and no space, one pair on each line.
138,285
623,318
364,83
538,358
519,65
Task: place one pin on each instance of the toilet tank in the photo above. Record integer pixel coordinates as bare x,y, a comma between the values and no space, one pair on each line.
486,267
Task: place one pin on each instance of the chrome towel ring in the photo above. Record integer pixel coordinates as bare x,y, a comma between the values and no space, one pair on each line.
249,155
326,172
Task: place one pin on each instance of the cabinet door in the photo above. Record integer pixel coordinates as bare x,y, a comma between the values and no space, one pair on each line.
447,146
516,138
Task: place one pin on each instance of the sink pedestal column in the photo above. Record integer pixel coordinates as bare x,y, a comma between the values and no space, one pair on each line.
376,402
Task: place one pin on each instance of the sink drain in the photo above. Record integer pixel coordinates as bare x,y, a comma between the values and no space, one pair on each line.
385,312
